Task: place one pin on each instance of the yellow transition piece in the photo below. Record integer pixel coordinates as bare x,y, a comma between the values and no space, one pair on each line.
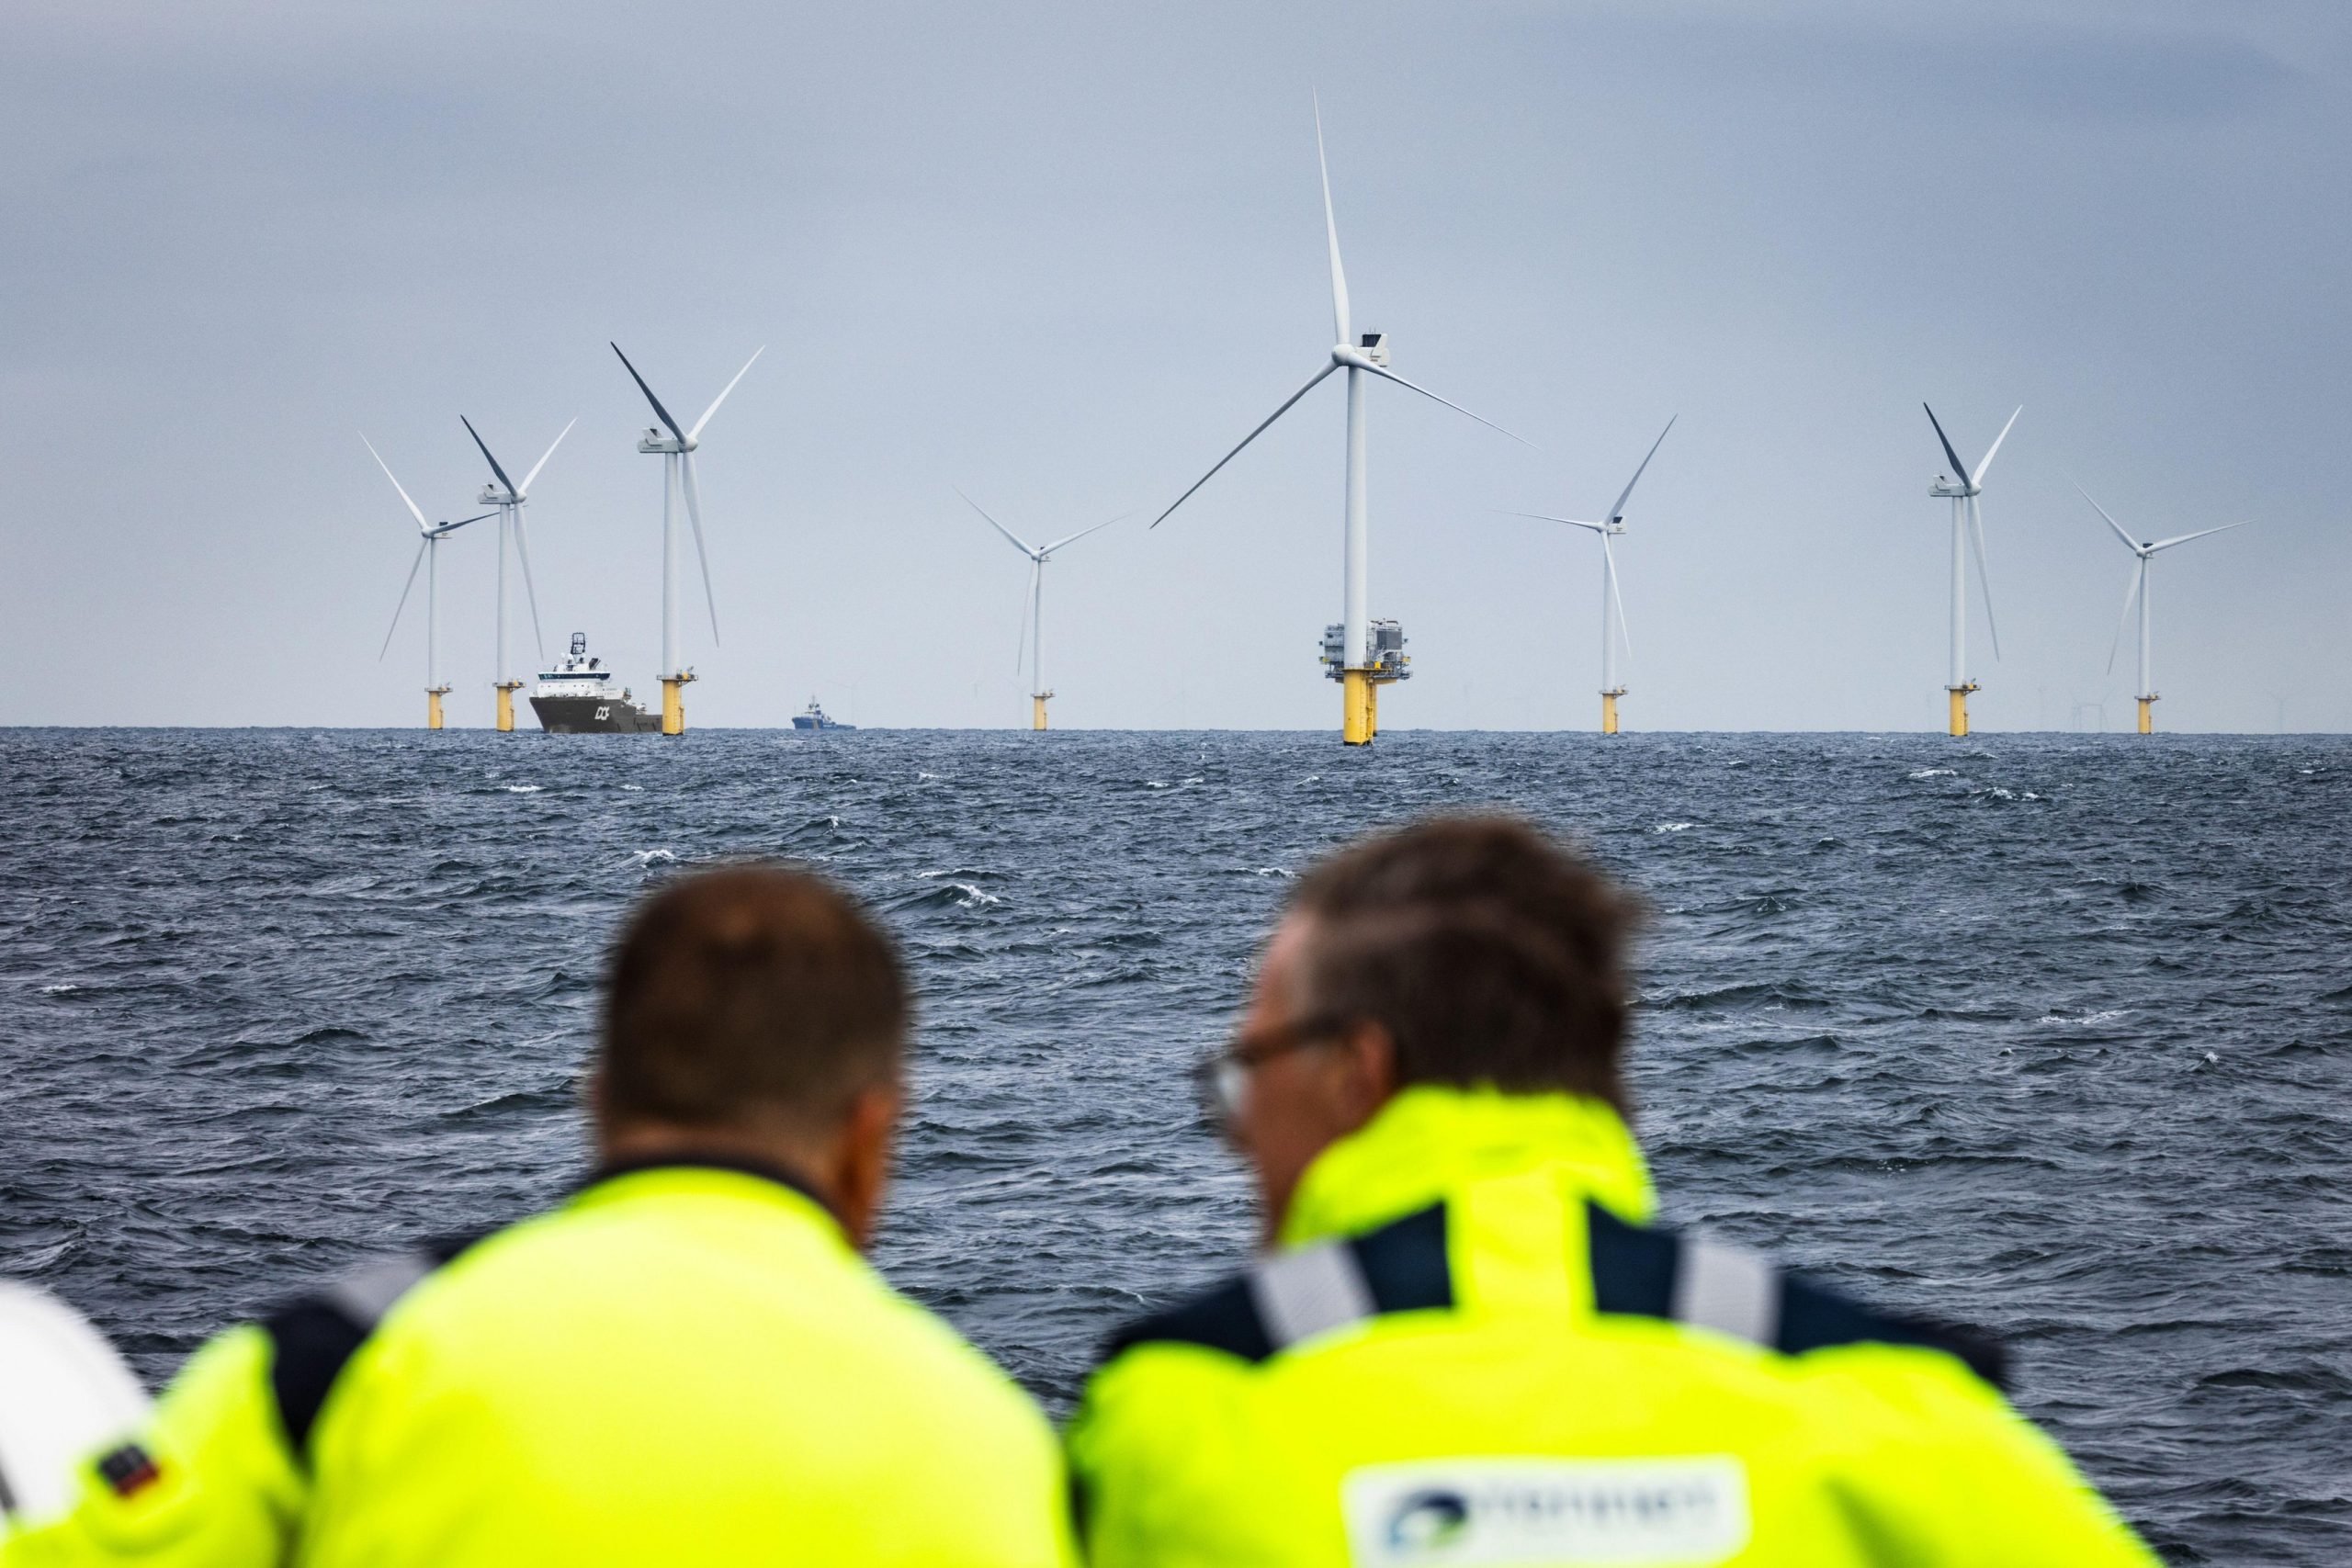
1960,706
507,690
673,704
1360,716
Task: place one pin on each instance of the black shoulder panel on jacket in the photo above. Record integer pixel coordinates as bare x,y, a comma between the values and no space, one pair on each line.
1633,1266
1222,1317
1639,1271
1402,1267
1405,1263
312,1336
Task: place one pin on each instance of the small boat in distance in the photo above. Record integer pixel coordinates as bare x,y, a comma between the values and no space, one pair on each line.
816,718
579,696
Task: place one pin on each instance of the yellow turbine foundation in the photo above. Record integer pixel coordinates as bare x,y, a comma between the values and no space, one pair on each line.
1359,717
433,707
673,704
1609,711
1960,706
507,690
2147,716
1037,709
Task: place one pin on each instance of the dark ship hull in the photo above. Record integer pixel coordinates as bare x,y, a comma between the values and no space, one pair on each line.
594,715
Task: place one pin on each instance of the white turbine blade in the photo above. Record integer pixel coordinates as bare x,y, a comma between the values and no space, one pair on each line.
1331,232
2128,542
2184,538
1959,469
724,390
658,411
1017,541
530,590
2130,593
1617,513
1977,478
413,511
1457,408
421,546
693,516
1548,517
1609,564
445,529
543,459
1983,577
1253,436
1074,539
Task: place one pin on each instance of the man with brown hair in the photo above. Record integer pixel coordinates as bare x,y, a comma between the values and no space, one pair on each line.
1466,1344
686,1363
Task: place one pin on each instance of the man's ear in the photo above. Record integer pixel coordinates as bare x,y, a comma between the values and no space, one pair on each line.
1369,1051
861,1172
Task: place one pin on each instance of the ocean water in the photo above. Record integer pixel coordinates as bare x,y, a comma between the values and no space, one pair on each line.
2048,1033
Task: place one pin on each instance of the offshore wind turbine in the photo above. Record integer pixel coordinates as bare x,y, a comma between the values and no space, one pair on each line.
1034,614
428,556
2144,553
1360,654
676,450
1612,601
1967,533
509,497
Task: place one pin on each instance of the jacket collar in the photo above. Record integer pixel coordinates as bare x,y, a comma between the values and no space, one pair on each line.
791,1182
1430,1140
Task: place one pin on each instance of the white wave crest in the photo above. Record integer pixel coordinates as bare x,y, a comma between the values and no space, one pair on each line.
523,789
1674,827
654,857
1935,773
63,988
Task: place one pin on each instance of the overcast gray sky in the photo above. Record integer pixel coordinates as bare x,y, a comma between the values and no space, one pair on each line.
1064,256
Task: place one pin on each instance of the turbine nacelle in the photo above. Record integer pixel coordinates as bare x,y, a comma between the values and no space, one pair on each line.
658,440
497,495
1946,489
1372,353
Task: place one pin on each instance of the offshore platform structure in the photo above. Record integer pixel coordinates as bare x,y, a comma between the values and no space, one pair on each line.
1383,659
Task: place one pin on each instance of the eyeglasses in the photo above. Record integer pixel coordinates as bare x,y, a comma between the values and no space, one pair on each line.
1222,1082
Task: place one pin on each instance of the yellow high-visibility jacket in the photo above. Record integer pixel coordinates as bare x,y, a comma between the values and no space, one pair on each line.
1470,1349
684,1364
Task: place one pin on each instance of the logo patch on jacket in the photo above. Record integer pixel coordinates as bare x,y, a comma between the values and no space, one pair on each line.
129,1470
1508,1512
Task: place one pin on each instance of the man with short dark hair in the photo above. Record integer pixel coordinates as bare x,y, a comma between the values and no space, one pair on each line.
686,1363
1466,1344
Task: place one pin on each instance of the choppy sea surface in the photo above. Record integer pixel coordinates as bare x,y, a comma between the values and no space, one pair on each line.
2048,1033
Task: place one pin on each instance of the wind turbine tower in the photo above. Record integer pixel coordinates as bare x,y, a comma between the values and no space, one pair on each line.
1962,488
1033,615
2143,552
1360,653
1612,601
676,449
508,497
428,556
